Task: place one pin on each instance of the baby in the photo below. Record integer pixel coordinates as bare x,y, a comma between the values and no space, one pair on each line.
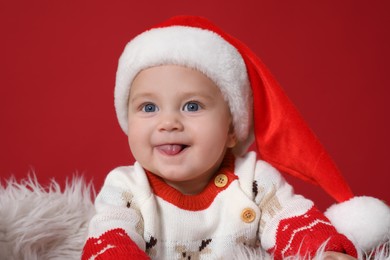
192,99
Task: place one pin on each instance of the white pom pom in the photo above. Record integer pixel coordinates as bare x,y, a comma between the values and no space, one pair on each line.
364,220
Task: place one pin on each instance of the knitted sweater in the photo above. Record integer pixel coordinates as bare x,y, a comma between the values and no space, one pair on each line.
247,202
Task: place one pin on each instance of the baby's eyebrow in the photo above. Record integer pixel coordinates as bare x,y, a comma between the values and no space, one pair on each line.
144,95
197,95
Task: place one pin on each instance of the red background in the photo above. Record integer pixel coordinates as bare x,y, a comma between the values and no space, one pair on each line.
58,63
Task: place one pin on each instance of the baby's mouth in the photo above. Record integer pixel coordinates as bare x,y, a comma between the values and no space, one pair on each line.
171,149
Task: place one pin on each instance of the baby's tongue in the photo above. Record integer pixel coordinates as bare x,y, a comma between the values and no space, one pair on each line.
170,149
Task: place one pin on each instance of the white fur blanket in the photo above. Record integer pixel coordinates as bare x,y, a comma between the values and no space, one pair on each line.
44,223
51,223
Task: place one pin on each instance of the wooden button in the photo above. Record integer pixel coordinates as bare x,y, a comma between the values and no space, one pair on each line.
248,215
221,180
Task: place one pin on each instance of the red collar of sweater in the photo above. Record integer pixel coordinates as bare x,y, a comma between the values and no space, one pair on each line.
199,201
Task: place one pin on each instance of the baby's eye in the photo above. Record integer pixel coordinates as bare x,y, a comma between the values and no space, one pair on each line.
191,107
149,108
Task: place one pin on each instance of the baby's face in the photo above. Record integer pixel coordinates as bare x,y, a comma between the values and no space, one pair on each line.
179,125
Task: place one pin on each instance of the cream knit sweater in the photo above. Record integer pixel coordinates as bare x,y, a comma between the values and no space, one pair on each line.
246,203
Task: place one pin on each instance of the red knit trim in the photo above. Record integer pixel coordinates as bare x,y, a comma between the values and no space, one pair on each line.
115,244
303,235
199,201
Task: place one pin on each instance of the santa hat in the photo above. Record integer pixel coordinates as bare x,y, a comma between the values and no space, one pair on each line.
281,135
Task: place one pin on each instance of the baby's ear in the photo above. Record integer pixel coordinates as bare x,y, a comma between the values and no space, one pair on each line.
232,138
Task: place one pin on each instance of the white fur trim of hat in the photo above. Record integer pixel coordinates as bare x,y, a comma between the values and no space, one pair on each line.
195,48
364,220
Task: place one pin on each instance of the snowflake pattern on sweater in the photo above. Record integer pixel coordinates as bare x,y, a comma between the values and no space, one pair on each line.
247,203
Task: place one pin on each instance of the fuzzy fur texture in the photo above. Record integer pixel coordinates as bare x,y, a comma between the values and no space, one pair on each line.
381,252
44,223
51,223
364,220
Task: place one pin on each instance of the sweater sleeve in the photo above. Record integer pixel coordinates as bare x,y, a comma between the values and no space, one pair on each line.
115,231
114,244
290,224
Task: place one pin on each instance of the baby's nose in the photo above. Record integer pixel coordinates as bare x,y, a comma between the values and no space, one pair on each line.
170,122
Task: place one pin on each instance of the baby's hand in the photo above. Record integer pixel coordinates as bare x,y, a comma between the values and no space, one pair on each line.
330,255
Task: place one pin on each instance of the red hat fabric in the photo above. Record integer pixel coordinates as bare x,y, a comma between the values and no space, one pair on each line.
282,136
